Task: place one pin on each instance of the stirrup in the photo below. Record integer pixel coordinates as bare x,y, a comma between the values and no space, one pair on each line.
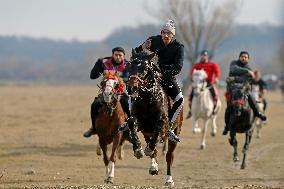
225,131
90,132
188,115
123,127
172,136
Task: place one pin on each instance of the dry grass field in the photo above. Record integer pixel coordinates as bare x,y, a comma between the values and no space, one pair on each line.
41,144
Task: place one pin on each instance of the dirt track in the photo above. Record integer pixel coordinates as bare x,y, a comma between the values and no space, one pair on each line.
41,144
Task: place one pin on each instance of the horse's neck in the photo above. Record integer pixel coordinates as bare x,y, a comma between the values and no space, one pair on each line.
155,93
204,97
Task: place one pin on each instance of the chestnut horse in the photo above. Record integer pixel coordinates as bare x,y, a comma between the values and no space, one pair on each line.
149,110
110,117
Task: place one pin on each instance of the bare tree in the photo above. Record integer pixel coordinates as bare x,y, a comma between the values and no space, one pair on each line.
199,24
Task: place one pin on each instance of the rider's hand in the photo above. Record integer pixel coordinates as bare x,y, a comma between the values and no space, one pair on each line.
147,44
251,73
230,79
216,81
158,74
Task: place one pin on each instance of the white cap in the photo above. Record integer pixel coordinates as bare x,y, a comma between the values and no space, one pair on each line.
170,26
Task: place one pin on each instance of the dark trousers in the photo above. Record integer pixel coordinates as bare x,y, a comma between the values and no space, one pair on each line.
97,104
172,89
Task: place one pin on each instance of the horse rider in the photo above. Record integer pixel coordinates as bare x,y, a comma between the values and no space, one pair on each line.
116,64
258,81
170,54
213,76
240,72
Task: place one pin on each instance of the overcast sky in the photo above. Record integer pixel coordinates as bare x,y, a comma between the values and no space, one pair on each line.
95,19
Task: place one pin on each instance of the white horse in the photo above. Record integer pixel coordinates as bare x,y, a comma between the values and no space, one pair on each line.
202,105
258,122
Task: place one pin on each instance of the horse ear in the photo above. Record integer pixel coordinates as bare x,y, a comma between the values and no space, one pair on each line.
133,52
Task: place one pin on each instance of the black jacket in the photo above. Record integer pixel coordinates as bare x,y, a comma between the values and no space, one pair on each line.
240,71
170,57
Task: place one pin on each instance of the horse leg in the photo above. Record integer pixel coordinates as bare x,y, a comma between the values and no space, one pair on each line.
203,145
245,148
170,158
98,150
103,146
195,128
233,141
112,159
138,151
214,126
258,127
154,170
151,145
120,151
165,144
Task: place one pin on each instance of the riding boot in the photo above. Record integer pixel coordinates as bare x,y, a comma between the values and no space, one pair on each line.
96,105
124,104
189,114
214,107
171,135
90,132
255,108
227,117
215,98
264,104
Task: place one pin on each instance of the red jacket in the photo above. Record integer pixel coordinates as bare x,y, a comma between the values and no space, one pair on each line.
211,68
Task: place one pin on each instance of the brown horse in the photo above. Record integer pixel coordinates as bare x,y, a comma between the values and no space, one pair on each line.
149,111
110,117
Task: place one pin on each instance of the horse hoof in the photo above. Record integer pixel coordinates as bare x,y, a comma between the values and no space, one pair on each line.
202,147
243,166
213,134
108,180
153,172
236,159
196,130
170,184
138,153
98,151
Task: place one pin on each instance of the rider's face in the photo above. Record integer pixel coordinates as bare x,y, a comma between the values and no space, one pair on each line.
118,56
244,58
167,36
204,58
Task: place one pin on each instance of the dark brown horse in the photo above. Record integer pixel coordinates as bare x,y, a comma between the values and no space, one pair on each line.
110,117
149,111
240,120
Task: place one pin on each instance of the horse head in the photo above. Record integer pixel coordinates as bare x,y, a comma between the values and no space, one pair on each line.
239,98
199,81
142,71
112,86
